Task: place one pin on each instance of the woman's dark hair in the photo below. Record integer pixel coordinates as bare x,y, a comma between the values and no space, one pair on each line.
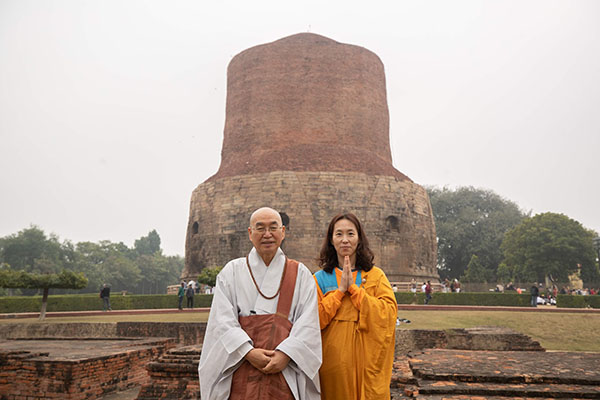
328,259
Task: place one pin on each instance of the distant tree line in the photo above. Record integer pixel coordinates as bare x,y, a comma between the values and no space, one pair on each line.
483,237
142,269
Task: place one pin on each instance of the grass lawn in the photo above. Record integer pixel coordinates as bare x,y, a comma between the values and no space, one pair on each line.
554,331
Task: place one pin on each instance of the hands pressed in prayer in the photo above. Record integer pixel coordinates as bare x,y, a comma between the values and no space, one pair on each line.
346,279
278,362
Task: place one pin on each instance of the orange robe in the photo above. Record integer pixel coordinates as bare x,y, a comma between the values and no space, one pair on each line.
358,329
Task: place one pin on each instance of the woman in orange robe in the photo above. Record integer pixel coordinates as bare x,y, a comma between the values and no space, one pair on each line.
357,313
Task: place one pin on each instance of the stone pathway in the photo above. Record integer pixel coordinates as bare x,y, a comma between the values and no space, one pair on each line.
464,374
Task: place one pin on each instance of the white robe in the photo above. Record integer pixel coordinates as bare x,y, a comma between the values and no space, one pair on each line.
226,343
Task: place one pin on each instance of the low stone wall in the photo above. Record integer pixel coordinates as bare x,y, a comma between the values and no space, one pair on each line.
479,338
37,375
71,330
174,375
185,333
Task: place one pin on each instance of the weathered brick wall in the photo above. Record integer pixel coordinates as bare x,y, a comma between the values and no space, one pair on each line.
307,133
184,333
306,103
29,376
396,214
73,329
477,338
174,375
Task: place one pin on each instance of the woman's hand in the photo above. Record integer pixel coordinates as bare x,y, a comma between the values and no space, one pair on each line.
346,279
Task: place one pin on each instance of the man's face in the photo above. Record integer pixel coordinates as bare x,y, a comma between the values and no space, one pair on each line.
266,232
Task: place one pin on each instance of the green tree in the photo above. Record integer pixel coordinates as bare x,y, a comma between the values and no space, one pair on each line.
149,244
158,272
141,269
550,244
208,276
21,279
470,222
108,262
504,273
32,251
476,272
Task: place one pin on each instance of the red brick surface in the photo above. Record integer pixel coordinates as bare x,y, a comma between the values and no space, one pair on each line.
465,374
173,376
306,103
73,369
307,133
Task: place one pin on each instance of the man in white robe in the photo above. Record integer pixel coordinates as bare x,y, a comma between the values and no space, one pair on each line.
226,345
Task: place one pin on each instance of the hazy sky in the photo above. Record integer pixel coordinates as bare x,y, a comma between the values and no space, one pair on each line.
112,112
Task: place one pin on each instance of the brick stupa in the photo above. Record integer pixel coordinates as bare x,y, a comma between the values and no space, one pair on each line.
307,133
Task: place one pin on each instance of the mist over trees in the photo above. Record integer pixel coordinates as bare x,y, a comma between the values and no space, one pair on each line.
142,269
550,245
485,238
45,282
470,221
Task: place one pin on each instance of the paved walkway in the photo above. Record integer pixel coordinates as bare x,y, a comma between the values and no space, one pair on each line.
452,374
414,307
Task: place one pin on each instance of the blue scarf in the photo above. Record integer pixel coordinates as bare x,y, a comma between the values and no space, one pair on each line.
328,282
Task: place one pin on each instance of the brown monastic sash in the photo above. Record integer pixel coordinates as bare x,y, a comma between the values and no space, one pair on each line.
266,332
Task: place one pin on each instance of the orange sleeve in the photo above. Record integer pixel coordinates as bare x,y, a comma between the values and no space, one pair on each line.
377,322
377,304
356,295
328,304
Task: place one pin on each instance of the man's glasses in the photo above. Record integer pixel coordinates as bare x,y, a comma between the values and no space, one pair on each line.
264,229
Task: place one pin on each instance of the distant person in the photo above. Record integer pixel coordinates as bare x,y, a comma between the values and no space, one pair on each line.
445,285
428,291
413,285
456,286
105,296
189,293
181,294
395,288
534,295
452,287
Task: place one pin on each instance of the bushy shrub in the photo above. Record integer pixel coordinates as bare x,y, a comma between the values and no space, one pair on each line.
467,299
577,301
91,302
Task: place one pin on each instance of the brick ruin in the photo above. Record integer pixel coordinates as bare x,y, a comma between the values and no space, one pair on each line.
75,361
488,362
307,133
74,368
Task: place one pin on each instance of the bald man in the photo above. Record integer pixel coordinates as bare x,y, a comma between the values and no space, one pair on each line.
263,339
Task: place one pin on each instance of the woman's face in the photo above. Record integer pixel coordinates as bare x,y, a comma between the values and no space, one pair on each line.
345,238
